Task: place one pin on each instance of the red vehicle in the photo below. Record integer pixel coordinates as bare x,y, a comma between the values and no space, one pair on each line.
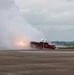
41,45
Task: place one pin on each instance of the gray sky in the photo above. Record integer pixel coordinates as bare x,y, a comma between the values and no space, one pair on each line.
55,18
52,17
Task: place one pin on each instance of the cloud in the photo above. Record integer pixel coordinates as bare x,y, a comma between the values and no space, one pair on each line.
70,0
58,32
47,11
13,26
6,4
61,15
49,15
56,27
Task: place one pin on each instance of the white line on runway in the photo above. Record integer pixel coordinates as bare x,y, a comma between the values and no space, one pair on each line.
62,52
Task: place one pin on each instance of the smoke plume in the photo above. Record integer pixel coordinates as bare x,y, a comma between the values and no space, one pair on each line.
13,28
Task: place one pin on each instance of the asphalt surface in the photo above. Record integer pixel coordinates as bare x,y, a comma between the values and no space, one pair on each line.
37,62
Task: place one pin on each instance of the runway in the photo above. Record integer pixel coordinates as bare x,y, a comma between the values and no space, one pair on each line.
50,52
37,62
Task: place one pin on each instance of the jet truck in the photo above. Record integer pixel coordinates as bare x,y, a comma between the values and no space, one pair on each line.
41,45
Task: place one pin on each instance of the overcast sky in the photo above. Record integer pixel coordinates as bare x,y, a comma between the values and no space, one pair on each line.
54,18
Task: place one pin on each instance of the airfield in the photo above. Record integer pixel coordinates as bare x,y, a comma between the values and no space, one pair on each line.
37,62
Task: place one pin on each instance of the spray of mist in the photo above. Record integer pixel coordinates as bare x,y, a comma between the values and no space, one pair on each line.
14,28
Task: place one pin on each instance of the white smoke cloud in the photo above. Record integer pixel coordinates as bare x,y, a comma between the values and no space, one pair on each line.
13,26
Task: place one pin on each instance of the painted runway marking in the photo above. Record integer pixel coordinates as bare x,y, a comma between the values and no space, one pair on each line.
61,52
